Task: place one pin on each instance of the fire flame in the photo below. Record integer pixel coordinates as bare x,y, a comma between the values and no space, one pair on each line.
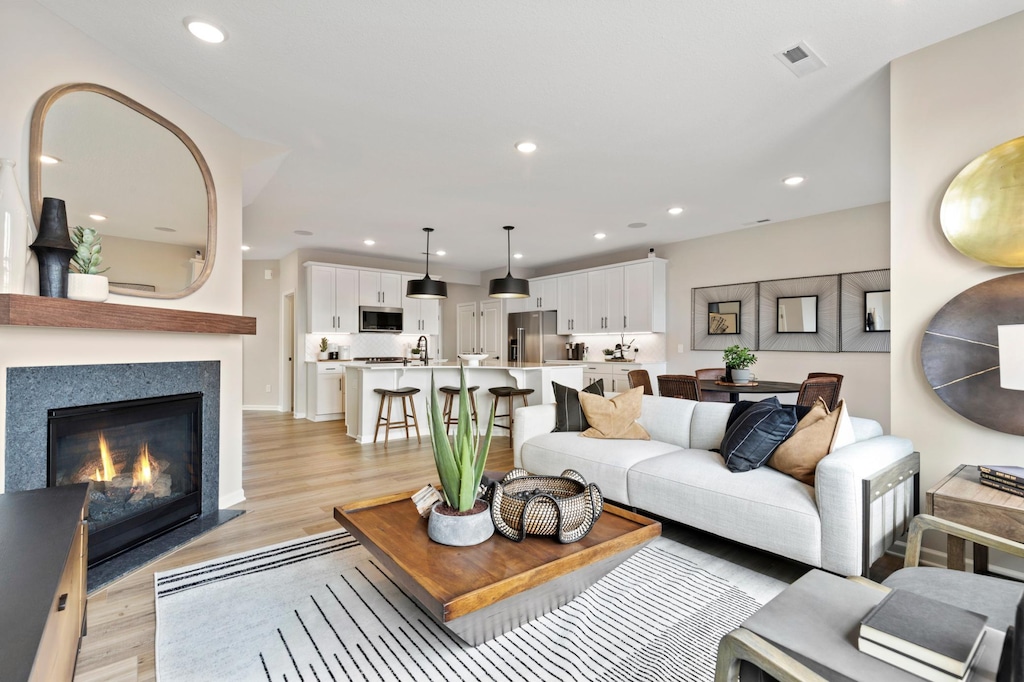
143,472
108,463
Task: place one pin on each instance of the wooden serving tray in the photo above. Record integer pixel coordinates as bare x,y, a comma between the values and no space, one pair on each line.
727,383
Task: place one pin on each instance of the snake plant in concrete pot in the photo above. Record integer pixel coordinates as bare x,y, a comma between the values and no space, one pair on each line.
85,283
461,518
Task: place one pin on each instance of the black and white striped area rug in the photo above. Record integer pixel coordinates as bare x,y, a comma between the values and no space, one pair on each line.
320,609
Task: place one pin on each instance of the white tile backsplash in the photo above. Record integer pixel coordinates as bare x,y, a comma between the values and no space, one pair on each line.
371,345
652,346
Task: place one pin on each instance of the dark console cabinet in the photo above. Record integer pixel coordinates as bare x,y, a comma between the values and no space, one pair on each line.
43,554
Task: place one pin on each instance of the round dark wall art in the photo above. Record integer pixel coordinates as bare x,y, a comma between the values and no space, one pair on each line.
960,353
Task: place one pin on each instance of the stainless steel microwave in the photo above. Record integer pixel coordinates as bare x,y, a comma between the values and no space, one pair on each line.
373,319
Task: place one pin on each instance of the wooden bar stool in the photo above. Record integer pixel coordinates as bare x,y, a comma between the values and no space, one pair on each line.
390,394
450,394
509,392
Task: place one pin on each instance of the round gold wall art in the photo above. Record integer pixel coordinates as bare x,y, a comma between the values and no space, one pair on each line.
982,213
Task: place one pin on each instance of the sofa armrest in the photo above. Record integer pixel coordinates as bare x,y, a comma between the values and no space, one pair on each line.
529,422
839,492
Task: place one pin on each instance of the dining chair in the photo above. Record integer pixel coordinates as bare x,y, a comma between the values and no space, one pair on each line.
839,381
640,377
713,374
826,388
679,386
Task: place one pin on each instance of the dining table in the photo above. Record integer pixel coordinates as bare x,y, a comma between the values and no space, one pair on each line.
759,386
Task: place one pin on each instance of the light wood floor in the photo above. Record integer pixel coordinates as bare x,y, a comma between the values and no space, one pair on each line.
294,473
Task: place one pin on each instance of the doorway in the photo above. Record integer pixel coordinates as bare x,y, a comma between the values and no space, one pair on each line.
288,354
466,328
491,325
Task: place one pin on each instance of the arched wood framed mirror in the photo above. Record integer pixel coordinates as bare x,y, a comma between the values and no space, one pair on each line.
142,174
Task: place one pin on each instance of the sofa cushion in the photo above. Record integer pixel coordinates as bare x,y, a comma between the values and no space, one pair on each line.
668,419
615,417
744,405
799,455
569,414
604,462
762,508
752,438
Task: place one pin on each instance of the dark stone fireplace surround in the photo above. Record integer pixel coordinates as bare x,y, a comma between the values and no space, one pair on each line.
31,391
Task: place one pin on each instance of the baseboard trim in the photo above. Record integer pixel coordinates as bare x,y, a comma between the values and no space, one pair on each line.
261,408
231,499
937,558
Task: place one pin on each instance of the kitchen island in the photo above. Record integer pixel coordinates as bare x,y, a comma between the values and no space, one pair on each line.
362,404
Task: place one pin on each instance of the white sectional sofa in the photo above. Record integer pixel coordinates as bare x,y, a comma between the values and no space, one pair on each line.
676,476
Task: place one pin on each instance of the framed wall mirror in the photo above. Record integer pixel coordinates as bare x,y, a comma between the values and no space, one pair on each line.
797,315
140,173
724,318
876,311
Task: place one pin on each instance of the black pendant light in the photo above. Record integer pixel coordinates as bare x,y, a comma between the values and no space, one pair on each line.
508,286
426,287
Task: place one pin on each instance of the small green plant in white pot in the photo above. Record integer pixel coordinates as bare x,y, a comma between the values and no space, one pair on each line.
85,281
323,355
738,361
461,518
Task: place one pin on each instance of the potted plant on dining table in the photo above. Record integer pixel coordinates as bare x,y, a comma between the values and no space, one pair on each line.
738,361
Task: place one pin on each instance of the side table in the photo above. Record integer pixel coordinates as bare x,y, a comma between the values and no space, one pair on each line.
961,497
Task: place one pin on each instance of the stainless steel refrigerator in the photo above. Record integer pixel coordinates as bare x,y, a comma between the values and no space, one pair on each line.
532,337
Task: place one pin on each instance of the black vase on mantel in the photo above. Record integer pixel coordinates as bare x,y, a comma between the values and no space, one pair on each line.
53,248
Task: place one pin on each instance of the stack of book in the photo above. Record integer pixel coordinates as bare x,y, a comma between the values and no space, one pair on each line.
925,637
1006,478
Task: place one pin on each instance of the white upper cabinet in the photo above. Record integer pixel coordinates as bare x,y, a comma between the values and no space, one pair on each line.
572,308
381,289
605,293
543,294
332,298
421,315
644,296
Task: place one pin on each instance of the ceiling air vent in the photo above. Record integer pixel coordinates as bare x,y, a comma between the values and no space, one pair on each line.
800,59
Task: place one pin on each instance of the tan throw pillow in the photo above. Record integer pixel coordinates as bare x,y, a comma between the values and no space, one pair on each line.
614,418
815,436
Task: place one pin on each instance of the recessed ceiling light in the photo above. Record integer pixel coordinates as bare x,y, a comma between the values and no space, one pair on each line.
161,228
48,160
304,233
369,242
97,217
793,180
526,147
441,253
599,235
675,210
517,255
205,31
245,247
636,226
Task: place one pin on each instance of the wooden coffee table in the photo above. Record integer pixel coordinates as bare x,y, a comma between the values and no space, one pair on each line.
480,592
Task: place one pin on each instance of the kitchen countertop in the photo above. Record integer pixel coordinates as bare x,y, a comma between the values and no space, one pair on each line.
452,365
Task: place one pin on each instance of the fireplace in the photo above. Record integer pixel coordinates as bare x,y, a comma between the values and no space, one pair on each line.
142,460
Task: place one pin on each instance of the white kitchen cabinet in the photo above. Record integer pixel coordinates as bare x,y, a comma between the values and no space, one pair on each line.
332,299
572,307
421,315
381,289
328,399
515,305
644,296
616,374
605,294
543,294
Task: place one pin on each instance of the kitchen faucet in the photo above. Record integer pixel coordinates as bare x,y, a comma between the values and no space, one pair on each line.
421,345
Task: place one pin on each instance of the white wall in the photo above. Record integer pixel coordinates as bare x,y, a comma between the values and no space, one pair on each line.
261,354
951,102
167,267
39,51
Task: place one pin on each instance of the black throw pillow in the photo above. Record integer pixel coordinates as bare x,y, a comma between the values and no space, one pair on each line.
753,436
568,413
743,405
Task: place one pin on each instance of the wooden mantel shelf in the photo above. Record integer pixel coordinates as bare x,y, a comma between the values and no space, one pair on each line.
38,311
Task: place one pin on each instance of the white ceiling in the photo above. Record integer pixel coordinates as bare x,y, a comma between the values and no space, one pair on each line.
400,114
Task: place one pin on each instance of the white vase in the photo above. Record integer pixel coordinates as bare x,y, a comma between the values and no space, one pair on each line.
741,376
87,287
16,233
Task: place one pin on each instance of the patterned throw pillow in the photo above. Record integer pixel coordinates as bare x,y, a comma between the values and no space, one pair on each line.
568,413
753,436
615,418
